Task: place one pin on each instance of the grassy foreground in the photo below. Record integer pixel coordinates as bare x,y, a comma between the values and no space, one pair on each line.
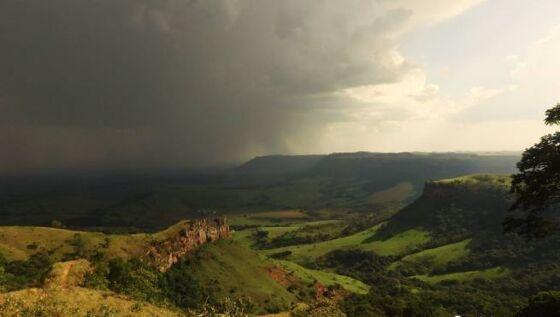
76,302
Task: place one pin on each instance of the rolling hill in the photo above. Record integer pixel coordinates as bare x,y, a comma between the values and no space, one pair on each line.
446,248
121,281
464,218
21,242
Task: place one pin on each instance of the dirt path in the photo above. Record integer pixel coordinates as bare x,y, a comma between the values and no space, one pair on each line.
64,275
68,274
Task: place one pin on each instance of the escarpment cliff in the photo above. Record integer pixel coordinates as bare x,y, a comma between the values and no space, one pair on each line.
457,208
165,253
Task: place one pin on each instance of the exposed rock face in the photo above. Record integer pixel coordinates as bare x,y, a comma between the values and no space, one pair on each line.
168,252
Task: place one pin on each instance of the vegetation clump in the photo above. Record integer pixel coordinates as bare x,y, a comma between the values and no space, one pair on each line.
537,185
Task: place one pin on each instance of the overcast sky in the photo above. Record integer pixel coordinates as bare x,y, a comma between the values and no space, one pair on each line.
179,83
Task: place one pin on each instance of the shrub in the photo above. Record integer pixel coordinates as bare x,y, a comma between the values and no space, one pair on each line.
181,288
136,279
543,304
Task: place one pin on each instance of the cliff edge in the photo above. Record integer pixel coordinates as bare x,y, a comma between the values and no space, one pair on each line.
164,254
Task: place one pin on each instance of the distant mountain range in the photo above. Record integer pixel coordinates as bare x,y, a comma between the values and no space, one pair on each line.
381,170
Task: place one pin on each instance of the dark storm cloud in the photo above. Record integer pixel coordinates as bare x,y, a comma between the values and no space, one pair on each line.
171,83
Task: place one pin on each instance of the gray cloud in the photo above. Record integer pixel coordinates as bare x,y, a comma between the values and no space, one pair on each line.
173,83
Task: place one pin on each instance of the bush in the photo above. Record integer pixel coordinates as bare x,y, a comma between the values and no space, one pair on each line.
98,278
143,282
136,279
181,288
543,304
27,273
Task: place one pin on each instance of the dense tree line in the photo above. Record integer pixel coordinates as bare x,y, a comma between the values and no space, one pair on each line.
143,282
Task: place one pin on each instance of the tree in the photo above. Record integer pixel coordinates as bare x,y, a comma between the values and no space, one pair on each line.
260,237
181,287
537,185
135,279
542,305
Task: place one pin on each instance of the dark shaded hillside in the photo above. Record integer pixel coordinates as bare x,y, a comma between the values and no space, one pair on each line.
350,182
270,169
473,208
457,208
279,164
385,167
381,169
469,266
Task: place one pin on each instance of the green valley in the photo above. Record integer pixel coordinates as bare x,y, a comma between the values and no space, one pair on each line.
446,244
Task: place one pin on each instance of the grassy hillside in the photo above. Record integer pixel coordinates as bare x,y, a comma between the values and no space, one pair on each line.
76,302
398,244
224,269
488,274
443,255
227,269
309,276
290,233
436,257
19,243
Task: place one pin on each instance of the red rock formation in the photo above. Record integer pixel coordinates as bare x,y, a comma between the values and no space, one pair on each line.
329,294
168,252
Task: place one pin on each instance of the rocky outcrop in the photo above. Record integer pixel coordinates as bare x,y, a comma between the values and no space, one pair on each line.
168,252
323,292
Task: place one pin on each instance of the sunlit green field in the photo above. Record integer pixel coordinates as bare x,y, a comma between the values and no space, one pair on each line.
437,257
488,274
244,236
325,278
398,244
